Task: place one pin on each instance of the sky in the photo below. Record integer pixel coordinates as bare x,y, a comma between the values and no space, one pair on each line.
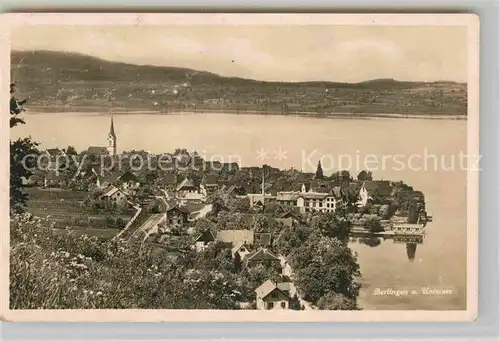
271,53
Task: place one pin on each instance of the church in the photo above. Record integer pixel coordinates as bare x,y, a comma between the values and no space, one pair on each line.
111,148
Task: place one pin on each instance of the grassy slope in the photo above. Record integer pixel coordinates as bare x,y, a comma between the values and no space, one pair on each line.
65,209
75,82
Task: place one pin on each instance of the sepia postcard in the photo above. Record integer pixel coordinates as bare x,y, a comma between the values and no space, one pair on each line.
239,167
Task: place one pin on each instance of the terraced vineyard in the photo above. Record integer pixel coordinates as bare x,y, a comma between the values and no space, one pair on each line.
66,209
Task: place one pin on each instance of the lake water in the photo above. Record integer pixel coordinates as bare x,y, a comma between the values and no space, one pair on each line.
440,262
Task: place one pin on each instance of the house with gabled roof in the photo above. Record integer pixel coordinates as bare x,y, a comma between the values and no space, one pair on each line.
188,191
260,256
204,240
128,179
294,213
115,196
309,200
288,221
315,201
177,217
209,184
269,296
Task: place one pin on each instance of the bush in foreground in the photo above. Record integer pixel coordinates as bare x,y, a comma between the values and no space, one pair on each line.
49,271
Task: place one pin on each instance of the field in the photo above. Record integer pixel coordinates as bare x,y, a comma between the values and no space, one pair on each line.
66,209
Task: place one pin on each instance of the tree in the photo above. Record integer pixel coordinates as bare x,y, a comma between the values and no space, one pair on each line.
260,273
291,238
319,171
295,303
238,204
330,225
261,224
218,205
373,225
341,176
237,262
384,211
412,213
335,301
325,265
345,176
365,176
23,156
215,257
71,150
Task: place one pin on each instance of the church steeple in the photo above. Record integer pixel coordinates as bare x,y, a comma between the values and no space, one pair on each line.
112,139
112,129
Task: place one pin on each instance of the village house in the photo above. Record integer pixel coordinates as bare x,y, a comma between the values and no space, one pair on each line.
290,217
259,256
269,296
310,200
209,185
319,202
204,240
177,217
240,241
115,196
188,191
128,180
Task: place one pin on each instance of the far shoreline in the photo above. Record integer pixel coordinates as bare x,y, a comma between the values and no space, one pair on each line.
331,115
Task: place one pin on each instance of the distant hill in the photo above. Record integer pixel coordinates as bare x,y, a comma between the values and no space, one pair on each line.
56,80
